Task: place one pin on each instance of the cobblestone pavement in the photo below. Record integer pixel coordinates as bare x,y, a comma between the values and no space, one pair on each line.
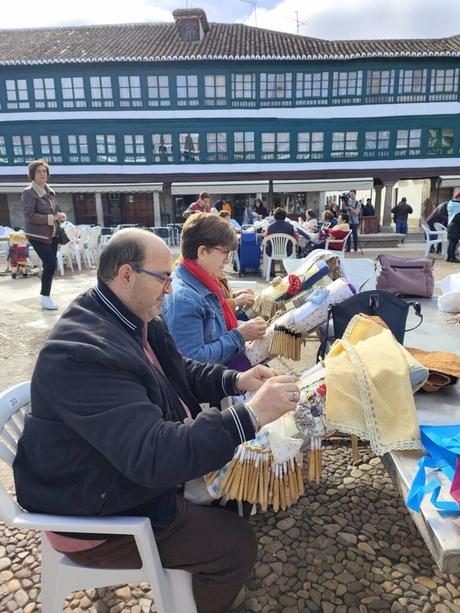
348,545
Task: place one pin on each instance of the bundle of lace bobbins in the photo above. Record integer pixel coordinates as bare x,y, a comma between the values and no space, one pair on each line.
310,420
254,476
286,343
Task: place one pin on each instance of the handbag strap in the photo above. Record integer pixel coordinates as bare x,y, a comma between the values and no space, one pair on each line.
376,261
418,311
322,348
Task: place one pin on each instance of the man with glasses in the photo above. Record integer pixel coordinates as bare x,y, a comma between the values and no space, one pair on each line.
108,433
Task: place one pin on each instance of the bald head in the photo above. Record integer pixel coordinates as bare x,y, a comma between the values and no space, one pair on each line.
129,246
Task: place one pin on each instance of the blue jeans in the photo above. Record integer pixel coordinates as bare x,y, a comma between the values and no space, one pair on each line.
401,226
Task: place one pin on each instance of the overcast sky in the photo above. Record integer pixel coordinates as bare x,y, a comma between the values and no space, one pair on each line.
333,19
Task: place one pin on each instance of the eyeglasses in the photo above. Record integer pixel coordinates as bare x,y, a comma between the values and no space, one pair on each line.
165,278
225,252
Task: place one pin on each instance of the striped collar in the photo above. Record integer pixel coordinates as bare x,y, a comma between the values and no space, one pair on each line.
111,303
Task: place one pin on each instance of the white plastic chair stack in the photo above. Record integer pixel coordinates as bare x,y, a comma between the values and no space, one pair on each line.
279,251
93,243
172,589
440,237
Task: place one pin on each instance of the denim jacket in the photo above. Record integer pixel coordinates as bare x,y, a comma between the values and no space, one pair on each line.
196,321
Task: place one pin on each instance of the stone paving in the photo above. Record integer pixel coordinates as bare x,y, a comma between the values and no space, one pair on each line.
348,545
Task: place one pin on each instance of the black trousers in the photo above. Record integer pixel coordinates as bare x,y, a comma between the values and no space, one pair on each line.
452,248
354,234
47,254
217,546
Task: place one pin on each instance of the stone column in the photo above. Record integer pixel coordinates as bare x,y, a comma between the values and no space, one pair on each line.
387,206
378,202
321,203
270,195
99,209
156,209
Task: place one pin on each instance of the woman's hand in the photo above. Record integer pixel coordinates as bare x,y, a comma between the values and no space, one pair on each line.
253,329
59,217
245,290
254,378
244,299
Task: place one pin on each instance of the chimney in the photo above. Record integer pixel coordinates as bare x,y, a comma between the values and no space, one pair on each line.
192,24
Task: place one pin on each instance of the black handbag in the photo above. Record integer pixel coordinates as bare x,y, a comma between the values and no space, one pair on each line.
391,309
62,237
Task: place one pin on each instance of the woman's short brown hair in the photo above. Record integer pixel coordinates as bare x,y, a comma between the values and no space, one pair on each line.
204,229
32,168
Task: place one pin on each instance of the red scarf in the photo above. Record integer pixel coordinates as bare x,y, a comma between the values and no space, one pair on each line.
213,285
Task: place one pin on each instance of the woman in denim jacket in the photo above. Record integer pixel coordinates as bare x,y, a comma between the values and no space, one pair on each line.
199,318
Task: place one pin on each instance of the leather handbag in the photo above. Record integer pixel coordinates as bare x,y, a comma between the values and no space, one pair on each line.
406,276
391,309
62,237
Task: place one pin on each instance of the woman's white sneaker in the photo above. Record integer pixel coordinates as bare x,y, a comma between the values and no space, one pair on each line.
48,303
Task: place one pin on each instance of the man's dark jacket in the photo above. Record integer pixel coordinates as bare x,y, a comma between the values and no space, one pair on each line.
105,434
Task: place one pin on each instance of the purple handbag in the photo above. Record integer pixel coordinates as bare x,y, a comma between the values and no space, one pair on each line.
406,276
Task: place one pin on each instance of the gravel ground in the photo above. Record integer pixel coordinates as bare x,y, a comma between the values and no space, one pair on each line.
348,545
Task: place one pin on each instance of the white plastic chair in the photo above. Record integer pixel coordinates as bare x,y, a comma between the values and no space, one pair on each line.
338,244
172,588
279,244
440,236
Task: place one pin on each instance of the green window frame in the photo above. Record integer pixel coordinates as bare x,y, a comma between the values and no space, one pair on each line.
106,149
275,145
347,87
189,146
73,92
408,142
244,89
312,88
380,86
162,151
134,148
443,84
77,145
44,93
130,90
17,94
345,144
440,141
23,150
244,146
101,92
310,146
3,153
412,85
158,90
50,148
275,88
187,90
216,147
377,144
215,90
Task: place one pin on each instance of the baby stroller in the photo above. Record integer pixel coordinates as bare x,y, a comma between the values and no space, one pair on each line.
18,256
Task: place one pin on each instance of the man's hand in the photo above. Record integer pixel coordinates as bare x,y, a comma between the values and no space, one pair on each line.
276,396
253,329
253,379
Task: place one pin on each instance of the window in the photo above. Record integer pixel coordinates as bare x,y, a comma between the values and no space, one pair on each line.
310,145
73,92
158,90
348,86
187,90
216,146
215,90
311,87
244,145
189,147
101,91
134,148
50,147
444,84
106,148
244,90
190,30
275,88
130,91
380,85
412,85
344,145
275,145
17,96
377,144
162,148
23,150
3,156
45,94
78,148
441,141
408,142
